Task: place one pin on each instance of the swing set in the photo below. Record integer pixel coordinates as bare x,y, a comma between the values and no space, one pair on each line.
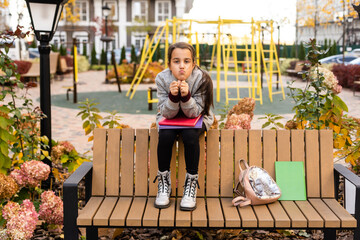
225,49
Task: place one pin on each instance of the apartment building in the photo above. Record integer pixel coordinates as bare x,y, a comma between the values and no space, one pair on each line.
131,20
327,19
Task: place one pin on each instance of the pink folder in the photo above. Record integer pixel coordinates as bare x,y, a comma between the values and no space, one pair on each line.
180,121
197,125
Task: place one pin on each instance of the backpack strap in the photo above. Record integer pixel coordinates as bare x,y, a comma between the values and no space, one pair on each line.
245,164
241,201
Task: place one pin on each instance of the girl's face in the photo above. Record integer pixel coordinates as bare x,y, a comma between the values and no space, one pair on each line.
181,63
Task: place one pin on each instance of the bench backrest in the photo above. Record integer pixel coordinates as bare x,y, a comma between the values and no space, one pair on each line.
125,161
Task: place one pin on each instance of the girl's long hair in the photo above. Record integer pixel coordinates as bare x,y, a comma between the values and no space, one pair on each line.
206,87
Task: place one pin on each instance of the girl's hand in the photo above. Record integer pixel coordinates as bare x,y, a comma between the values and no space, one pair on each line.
184,88
174,88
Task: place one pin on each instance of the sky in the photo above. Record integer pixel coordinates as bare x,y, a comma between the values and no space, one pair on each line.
283,11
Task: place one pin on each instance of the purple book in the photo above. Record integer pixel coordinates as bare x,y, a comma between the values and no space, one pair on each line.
197,125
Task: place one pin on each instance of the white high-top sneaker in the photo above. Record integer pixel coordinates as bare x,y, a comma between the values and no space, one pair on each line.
164,189
188,201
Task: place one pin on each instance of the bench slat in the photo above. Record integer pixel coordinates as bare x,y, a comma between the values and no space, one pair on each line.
227,154
183,218
120,211
248,218
87,213
283,145
201,170
141,162
297,146
327,164
199,218
113,163
212,157
269,140
255,148
215,215
134,217
127,162
313,218
151,214
264,217
241,150
102,216
167,215
231,215
281,218
331,221
297,218
181,169
312,167
98,179
153,162
347,221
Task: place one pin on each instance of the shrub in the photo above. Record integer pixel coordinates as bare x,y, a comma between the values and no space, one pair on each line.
345,74
94,60
84,50
122,55
286,64
23,66
134,58
302,51
83,63
103,57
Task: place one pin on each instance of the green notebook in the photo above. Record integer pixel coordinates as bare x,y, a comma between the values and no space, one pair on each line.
290,177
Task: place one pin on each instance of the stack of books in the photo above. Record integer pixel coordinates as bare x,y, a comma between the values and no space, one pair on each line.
181,122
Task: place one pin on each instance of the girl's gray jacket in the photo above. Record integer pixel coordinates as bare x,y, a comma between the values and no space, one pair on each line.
192,108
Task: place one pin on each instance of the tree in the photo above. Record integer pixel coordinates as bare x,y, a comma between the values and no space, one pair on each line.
284,52
72,12
334,48
133,55
326,47
62,50
4,3
54,48
302,52
158,54
122,55
94,60
103,57
85,49
33,44
293,51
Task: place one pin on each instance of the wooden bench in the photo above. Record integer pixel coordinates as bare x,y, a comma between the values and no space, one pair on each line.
298,68
120,191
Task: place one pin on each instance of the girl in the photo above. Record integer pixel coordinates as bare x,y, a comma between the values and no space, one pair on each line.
182,89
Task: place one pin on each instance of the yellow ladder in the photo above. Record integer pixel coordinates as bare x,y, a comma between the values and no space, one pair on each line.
251,71
269,63
147,54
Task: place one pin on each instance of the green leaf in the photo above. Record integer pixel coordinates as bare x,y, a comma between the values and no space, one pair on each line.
265,125
340,103
5,123
279,125
4,148
85,115
86,123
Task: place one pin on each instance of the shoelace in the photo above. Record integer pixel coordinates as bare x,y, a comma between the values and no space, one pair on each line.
163,185
190,187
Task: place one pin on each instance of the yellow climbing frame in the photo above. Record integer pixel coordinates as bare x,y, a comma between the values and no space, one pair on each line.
223,47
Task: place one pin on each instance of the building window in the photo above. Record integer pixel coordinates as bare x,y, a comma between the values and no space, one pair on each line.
163,10
82,7
114,10
140,9
138,40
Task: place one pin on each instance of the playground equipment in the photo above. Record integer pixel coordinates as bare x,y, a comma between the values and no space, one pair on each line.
226,48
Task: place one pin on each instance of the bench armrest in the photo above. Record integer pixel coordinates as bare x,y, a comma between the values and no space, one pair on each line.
70,198
352,178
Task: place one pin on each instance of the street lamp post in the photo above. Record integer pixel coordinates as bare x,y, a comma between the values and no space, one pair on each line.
45,15
106,12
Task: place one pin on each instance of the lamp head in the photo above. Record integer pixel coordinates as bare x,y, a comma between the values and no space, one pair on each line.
106,10
45,15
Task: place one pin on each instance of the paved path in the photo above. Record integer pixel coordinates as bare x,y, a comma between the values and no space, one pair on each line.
66,126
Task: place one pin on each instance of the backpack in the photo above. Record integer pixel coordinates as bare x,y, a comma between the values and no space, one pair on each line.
255,187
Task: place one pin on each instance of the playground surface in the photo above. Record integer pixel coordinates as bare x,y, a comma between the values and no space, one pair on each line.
67,126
